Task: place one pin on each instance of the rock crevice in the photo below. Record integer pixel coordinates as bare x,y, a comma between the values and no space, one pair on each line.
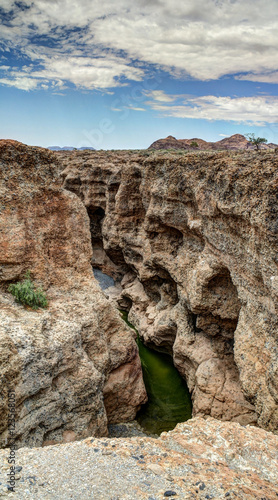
193,241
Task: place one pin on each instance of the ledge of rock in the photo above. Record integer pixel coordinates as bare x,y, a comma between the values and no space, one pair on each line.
61,362
199,459
192,240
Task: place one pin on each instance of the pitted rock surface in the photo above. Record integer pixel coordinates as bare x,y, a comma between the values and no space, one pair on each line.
65,364
199,459
192,239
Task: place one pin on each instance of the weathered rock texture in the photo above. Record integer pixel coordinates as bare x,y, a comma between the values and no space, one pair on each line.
194,240
64,363
198,460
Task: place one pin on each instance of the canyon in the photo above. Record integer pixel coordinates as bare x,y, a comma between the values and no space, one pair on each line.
191,244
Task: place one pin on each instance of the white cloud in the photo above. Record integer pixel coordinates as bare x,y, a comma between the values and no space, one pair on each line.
160,96
136,108
88,72
271,77
83,72
23,83
99,44
252,110
205,41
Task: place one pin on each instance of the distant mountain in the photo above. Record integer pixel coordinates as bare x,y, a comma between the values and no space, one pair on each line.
69,148
236,142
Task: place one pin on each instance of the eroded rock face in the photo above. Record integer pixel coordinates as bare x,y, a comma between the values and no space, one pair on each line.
60,362
193,240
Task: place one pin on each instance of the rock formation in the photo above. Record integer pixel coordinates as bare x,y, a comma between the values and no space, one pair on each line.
236,142
69,148
198,460
193,240
192,244
74,366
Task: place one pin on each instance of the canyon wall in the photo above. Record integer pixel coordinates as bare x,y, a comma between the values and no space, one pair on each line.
192,243
74,366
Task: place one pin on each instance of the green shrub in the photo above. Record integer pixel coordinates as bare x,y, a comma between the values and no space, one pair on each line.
255,141
25,293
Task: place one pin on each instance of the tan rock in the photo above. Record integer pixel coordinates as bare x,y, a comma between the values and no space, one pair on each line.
197,460
58,360
198,234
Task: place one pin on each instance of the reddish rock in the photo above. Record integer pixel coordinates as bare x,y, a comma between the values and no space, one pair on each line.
56,360
236,142
193,239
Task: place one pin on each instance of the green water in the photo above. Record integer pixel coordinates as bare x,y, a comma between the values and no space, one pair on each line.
169,400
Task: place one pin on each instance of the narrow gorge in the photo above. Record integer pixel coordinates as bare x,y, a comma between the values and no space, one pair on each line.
192,244
187,248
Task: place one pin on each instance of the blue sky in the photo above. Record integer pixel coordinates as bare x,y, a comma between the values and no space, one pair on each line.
121,75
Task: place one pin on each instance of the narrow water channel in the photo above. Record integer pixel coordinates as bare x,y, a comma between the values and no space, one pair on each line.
169,400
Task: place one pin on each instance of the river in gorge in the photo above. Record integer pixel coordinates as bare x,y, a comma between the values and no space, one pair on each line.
169,400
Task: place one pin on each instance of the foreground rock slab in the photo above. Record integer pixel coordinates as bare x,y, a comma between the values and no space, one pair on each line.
200,459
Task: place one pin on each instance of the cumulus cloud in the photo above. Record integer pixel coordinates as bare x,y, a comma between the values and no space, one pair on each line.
83,72
89,73
207,39
257,110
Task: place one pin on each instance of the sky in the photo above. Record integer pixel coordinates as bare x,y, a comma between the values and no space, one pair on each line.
120,75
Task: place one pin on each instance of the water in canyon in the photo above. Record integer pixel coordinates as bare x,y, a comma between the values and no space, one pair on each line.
169,400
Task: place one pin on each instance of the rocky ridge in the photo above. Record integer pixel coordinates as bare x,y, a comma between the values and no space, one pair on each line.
192,241
236,142
73,367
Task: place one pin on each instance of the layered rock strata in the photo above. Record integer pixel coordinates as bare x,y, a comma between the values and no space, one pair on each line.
73,367
193,241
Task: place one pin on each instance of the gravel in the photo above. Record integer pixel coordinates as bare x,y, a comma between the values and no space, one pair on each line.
201,459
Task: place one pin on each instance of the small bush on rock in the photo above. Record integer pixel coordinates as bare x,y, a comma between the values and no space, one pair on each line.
25,293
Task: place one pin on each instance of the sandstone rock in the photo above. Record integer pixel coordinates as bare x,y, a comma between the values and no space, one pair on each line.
59,360
194,240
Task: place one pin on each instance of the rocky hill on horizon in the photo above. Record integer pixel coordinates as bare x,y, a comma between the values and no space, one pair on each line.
236,142
69,148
